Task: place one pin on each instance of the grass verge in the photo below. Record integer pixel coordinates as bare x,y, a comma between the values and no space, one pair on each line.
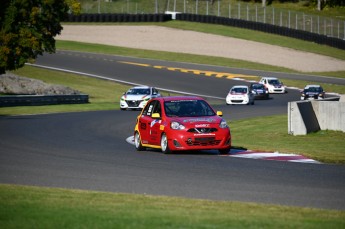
33,207
270,134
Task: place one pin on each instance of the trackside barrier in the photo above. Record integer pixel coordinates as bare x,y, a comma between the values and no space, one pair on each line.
264,27
118,18
38,100
311,116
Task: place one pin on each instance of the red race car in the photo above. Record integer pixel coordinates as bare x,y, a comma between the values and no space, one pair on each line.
181,123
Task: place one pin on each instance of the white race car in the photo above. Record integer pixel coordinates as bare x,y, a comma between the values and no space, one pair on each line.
137,97
240,95
273,85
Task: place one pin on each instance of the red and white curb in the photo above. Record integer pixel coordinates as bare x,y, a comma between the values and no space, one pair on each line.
274,156
251,154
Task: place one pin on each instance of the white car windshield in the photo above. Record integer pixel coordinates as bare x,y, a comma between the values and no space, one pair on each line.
239,90
138,91
313,89
274,82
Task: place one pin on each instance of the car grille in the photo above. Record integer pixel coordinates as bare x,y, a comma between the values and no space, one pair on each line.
133,103
207,141
202,130
237,101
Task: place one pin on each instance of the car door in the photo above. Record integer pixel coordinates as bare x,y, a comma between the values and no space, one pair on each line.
145,122
155,131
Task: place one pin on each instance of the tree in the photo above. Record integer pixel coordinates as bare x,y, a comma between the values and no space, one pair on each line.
28,28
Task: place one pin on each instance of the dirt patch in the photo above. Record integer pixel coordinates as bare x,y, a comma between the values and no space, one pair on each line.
184,41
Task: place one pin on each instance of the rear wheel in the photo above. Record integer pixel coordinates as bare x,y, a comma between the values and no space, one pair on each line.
164,144
137,142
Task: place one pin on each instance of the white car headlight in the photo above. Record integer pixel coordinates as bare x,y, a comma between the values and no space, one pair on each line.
177,126
223,124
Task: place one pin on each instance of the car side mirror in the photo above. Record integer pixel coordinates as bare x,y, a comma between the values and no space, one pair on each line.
219,113
156,115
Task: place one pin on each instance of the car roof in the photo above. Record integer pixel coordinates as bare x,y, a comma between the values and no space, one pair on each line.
178,98
311,85
256,84
270,78
141,86
240,86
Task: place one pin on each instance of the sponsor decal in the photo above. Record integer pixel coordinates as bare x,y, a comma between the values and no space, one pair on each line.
161,127
205,134
199,120
202,125
154,122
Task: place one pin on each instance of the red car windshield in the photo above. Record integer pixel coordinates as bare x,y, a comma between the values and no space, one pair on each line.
188,108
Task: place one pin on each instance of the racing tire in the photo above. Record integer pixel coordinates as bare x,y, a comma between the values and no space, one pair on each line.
164,144
123,109
137,142
224,151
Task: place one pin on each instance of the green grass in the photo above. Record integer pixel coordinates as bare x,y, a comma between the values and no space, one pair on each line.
33,207
271,134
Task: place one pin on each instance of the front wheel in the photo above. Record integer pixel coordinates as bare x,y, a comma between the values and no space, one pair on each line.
164,144
224,151
137,142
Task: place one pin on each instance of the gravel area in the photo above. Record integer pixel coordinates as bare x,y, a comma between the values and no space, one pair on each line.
11,84
184,41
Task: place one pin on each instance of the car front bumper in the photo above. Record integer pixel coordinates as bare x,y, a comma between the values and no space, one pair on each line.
189,141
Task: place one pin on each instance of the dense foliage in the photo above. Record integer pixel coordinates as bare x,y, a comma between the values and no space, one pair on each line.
28,28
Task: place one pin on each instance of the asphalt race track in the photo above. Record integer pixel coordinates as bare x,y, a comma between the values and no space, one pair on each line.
88,150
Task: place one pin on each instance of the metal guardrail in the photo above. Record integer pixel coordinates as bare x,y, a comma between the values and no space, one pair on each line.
263,27
248,11
39,100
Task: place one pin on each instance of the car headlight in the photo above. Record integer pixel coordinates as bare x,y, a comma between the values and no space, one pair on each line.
223,124
177,126
122,99
147,99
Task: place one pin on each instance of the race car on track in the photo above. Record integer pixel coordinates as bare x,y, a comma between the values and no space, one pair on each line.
311,92
274,85
181,123
240,94
259,90
137,97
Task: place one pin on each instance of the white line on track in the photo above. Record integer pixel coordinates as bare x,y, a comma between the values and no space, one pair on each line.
121,81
